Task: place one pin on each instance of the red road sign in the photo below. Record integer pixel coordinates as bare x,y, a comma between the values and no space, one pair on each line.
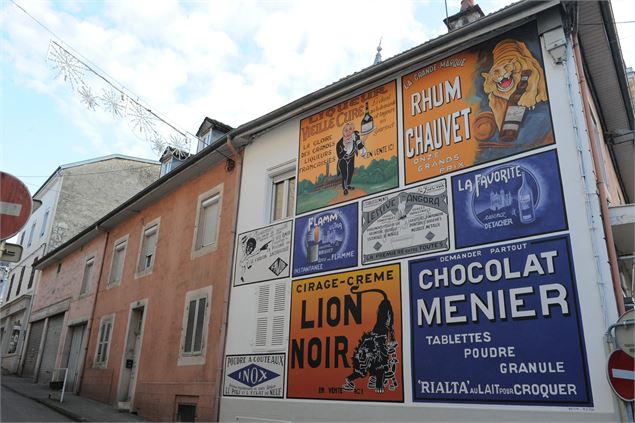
621,373
15,205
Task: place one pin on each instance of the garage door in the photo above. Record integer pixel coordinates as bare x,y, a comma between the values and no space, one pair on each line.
32,348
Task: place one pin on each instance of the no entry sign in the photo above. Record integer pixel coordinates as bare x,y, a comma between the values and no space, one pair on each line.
15,205
621,373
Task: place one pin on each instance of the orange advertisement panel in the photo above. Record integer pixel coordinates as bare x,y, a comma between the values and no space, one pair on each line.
476,106
345,340
349,150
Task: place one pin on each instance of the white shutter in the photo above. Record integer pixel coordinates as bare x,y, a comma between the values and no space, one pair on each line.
271,309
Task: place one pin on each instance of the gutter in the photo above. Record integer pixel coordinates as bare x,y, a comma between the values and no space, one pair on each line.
599,181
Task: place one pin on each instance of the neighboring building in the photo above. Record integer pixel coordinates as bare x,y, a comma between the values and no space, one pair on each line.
73,197
142,294
463,267
630,78
210,131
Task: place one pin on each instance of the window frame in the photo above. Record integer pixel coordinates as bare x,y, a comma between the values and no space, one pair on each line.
283,173
195,357
44,222
139,272
103,363
87,275
197,248
120,244
31,234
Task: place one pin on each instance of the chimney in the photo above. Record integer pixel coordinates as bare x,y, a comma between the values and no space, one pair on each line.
470,12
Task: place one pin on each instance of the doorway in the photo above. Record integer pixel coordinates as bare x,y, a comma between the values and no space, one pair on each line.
74,357
129,368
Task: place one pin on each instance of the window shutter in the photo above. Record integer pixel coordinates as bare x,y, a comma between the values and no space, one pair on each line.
208,221
270,318
278,318
189,332
200,320
262,315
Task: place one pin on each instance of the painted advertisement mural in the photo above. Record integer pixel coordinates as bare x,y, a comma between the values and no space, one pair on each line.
400,224
263,254
499,325
511,200
255,375
349,150
486,103
345,340
325,241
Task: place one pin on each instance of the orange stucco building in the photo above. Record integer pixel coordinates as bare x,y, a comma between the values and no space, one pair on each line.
155,345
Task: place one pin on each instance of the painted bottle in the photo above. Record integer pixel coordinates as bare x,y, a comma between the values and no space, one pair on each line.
368,124
514,113
525,197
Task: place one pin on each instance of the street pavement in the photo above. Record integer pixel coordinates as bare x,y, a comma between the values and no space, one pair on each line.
74,407
17,408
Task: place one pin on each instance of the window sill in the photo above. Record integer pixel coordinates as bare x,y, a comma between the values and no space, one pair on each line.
144,272
201,251
191,360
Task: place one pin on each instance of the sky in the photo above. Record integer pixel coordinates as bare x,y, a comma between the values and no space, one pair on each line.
232,61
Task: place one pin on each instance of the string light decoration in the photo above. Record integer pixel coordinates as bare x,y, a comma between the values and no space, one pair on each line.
85,81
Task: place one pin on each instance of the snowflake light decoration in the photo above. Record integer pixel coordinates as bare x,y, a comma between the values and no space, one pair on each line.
67,66
113,102
141,119
87,97
179,141
157,143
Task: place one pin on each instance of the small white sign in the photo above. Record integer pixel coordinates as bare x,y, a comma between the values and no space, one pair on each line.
263,254
256,375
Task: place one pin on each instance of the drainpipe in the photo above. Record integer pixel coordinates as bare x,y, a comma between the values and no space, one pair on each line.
223,328
89,324
599,181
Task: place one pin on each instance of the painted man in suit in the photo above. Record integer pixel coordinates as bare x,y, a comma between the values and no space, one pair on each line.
347,148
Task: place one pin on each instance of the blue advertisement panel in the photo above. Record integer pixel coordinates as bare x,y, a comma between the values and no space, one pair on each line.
511,200
499,325
325,241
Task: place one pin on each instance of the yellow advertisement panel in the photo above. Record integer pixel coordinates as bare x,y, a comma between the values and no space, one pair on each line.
345,340
479,105
349,150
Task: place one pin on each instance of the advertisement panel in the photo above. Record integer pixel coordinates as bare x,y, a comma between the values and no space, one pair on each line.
254,375
400,224
345,339
263,254
511,200
349,150
476,106
325,241
499,325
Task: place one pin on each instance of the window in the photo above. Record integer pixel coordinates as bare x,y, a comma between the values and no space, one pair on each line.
103,340
88,273
208,212
59,267
271,300
194,328
43,228
195,324
32,275
148,247
116,267
19,288
283,195
10,287
31,234
22,238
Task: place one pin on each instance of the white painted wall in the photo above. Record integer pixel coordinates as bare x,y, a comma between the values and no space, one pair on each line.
596,299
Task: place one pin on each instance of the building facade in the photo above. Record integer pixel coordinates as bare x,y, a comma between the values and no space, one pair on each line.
446,250
69,204
152,313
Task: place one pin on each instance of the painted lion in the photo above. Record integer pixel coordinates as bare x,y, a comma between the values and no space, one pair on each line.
511,58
